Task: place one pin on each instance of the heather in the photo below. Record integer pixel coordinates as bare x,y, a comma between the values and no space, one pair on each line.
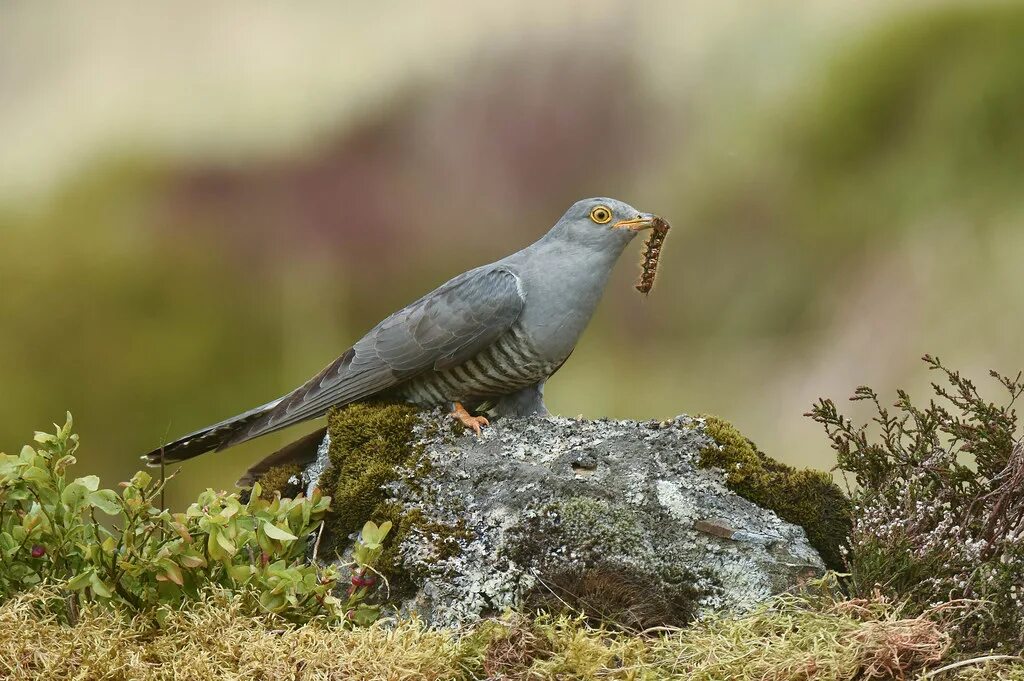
938,493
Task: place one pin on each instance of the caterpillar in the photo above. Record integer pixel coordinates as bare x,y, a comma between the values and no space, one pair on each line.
652,251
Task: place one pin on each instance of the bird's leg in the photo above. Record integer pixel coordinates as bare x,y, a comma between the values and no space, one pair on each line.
527,402
472,422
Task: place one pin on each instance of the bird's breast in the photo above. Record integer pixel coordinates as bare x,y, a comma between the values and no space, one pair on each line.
559,306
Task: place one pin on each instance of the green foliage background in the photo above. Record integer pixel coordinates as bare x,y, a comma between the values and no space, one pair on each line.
199,209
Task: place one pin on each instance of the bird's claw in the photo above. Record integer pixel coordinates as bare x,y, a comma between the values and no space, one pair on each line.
474,423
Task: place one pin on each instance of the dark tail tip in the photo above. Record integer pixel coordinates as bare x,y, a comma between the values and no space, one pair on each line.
215,437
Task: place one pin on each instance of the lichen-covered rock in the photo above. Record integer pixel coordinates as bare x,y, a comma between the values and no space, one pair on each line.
614,518
807,497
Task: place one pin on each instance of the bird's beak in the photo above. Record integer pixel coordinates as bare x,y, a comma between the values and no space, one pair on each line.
638,224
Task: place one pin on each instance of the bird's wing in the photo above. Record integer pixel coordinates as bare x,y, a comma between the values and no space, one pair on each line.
443,329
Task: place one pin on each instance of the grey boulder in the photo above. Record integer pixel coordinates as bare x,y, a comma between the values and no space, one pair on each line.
612,518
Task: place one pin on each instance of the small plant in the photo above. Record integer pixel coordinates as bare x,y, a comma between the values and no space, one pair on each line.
365,554
50,532
939,503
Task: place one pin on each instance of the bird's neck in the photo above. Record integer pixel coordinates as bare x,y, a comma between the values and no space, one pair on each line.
563,286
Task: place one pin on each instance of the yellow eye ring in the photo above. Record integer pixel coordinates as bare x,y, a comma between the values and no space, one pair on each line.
602,215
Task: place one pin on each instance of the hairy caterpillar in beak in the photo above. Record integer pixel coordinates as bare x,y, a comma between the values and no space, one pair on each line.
652,251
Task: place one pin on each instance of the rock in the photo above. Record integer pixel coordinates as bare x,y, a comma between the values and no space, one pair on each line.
614,518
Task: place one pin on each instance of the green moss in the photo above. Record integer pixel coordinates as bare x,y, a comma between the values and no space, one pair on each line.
806,497
277,479
370,443
805,636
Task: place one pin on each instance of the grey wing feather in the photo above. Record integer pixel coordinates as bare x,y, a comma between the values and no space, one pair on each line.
443,329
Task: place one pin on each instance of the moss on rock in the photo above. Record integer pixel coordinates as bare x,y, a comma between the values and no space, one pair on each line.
280,479
371,445
805,497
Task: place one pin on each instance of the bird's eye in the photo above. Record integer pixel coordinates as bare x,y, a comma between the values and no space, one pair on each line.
601,215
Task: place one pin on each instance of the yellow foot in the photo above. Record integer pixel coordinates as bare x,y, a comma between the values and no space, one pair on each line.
472,422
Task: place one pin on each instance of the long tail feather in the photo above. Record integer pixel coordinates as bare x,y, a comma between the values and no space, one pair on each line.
207,439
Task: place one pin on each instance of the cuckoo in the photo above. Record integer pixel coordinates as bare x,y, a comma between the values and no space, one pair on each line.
484,342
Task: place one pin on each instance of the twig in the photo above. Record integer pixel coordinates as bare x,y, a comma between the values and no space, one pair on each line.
966,663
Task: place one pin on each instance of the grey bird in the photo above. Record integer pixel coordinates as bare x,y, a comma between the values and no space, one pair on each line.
485,341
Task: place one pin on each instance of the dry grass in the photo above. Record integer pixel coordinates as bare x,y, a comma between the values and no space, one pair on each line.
212,639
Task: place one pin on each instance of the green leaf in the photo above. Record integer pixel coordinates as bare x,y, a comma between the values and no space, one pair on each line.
240,573
73,495
181,530
365,615
172,572
213,545
36,474
69,423
90,482
81,580
372,535
31,520
275,532
190,561
226,543
106,500
369,530
272,602
98,586
9,464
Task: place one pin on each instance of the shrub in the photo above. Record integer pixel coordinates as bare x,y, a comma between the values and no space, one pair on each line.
939,503
147,556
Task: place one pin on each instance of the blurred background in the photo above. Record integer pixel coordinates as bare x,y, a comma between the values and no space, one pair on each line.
203,203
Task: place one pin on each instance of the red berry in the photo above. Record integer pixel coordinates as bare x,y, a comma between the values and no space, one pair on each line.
38,551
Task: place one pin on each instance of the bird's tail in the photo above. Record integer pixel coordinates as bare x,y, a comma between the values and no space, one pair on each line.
206,439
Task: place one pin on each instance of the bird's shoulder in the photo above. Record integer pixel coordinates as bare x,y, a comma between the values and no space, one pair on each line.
496,283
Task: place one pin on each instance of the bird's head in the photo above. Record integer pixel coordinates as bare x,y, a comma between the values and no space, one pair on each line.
601,224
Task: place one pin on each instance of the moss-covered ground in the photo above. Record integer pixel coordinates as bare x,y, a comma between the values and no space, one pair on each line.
790,638
808,498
